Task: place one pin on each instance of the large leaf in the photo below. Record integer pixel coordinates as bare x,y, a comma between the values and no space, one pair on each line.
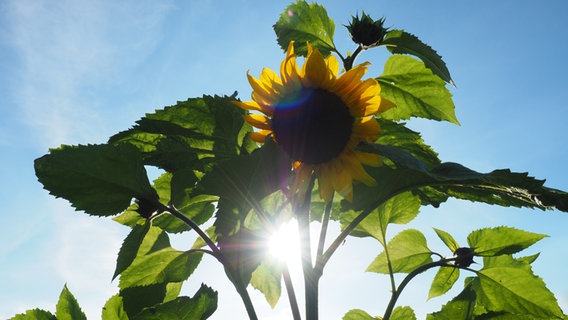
177,136
130,247
501,240
243,182
267,279
501,187
67,307
199,307
99,179
506,284
358,314
399,41
114,309
415,90
461,307
398,135
302,22
406,251
399,209
166,265
135,299
34,314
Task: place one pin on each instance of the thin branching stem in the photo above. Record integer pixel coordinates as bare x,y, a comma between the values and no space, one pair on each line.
323,231
291,293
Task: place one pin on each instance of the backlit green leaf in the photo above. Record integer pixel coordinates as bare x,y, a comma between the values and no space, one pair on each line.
399,41
358,314
200,129
448,240
461,307
99,179
403,313
67,307
199,307
35,314
166,265
501,240
399,209
443,281
509,285
135,299
303,22
407,251
415,90
113,309
267,279
130,247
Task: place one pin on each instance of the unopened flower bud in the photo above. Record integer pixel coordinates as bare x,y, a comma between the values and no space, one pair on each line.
367,32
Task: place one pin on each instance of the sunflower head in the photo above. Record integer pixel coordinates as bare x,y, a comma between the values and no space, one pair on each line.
318,117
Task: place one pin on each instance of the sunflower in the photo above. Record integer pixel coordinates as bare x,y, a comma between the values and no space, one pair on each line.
318,117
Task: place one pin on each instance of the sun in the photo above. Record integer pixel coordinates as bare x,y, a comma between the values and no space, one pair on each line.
284,243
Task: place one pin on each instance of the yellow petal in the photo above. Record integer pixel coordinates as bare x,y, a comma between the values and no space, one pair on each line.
369,159
325,183
365,129
315,69
385,105
258,121
260,136
251,105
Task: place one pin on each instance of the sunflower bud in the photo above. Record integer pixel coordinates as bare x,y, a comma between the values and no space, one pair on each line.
367,32
464,257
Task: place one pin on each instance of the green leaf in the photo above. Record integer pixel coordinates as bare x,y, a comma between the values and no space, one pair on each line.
448,240
99,179
165,265
443,281
35,314
399,41
415,90
67,307
267,279
130,247
244,181
191,133
399,209
302,22
501,240
199,307
398,135
114,310
407,251
509,285
358,314
135,299
403,313
461,307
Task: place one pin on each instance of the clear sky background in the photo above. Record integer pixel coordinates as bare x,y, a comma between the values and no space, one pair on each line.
74,71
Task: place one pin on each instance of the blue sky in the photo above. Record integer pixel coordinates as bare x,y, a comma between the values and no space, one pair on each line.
76,71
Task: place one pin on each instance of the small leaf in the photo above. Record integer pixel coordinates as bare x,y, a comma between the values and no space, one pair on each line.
443,281
99,179
130,247
358,314
267,279
67,307
501,240
403,313
509,285
407,251
399,41
243,252
448,240
35,314
135,299
303,22
113,309
201,306
415,91
165,265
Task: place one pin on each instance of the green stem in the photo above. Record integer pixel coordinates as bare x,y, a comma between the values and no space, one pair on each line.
323,231
410,276
348,62
247,302
291,293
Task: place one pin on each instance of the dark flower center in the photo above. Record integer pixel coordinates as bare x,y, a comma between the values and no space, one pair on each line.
314,127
